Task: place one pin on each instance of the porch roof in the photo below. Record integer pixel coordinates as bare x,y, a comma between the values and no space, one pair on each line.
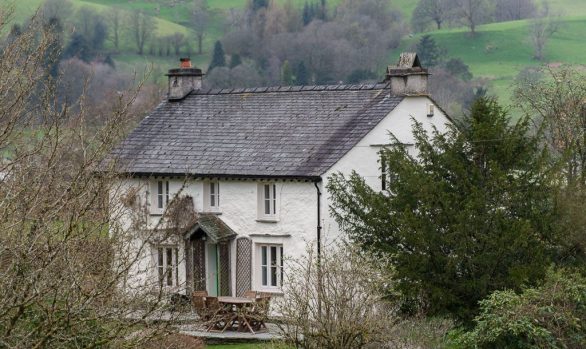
213,227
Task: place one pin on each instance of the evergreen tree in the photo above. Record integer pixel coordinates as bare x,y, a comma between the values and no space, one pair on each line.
323,8
428,51
301,74
472,214
80,48
219,57
109,61
458,68
306,14
235,60
99,35
286,74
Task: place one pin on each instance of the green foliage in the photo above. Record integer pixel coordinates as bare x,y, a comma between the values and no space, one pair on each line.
235,60
428,51
549,316
301,74
80,48
360,75
286,74
473,214
458,68
219,57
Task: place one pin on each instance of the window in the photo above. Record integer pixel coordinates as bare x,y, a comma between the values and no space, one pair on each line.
212,195
431,110
271,266
268,200
168,266
160,196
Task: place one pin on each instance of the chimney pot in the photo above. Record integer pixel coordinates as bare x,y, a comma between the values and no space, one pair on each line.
185,63
183,80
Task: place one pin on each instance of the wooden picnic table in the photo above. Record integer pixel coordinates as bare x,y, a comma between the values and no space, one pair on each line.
235,304
237,301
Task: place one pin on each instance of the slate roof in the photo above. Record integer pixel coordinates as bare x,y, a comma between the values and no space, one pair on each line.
289,132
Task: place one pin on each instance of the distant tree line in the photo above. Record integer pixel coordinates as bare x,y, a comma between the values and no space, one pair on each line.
283,44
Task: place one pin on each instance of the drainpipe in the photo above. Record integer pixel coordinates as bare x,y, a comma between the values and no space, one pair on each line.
319,271
318,221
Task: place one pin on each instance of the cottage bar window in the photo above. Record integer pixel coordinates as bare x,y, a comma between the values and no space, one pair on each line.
270,199
168,266
271,267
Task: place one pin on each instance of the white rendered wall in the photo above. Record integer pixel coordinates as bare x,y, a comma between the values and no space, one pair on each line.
364,157
294,227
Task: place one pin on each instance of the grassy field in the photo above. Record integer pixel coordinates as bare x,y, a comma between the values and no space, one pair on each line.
498,53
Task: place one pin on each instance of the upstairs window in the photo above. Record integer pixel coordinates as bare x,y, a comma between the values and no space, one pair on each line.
267,201
211,193
168,266
159,196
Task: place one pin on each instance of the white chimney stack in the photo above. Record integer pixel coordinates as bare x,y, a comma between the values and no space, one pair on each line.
408,77
183,80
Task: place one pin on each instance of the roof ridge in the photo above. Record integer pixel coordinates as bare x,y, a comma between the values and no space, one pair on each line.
295,88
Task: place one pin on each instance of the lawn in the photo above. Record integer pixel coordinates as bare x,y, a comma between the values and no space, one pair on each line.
500,51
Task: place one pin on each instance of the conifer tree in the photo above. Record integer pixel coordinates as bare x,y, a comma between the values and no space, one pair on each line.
219,57
286,74
428,51
301,74
472,214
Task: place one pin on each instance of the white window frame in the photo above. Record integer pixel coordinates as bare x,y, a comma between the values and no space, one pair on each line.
270,269
167,270
212,196
159,196
267,201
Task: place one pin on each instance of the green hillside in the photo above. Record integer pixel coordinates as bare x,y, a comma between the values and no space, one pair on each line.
498,53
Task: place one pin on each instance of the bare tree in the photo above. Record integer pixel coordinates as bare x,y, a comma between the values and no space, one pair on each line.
177,41
543,26
513,10
472,12
335,300
61,9
200,19
62,261
558,103
437,11
114,17
142,28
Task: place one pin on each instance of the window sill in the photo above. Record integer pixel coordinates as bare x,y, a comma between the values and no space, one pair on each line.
216,212
272,291
267,220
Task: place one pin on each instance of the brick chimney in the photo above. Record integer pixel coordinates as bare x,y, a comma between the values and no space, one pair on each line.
408,77
183,80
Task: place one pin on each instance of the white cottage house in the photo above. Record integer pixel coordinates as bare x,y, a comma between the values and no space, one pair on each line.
254,164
